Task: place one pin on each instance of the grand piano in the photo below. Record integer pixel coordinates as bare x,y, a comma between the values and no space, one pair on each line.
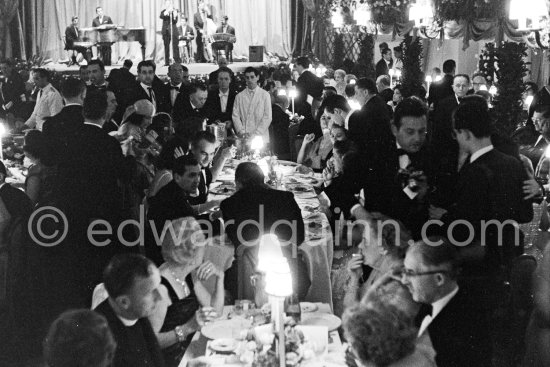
110,34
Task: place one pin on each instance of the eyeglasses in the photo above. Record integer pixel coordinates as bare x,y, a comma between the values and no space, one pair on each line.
411,273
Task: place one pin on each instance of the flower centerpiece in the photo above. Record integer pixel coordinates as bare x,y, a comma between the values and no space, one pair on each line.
388,11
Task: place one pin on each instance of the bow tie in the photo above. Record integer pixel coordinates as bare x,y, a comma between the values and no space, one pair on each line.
425,310
172,87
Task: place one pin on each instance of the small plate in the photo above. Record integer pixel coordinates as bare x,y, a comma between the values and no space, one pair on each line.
308,307
288,163
224,189
224,345
321,319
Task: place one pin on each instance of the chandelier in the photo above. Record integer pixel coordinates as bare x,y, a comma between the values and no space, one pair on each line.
363,18
532,18
422,14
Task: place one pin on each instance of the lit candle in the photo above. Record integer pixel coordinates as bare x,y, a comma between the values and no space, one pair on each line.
428,82
391,72
2,132
293,94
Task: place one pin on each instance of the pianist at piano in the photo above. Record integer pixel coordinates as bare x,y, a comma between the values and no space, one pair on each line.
71,41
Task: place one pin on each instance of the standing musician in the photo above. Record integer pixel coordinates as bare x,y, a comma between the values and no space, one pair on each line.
186,35
205,11
102,21
169,16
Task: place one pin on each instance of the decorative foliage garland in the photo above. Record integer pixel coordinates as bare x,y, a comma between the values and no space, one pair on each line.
365,62
511,69
467,9
388,11
412,62
487,62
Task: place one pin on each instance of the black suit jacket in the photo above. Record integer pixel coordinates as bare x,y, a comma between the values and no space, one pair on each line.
168,204
384,189
278,133
230,30
213,108
147,352
183,109
387,95
106,20
92,173
166,23
17,203
59,130
370,128
120,80
162,96
460,334
249,204
71,35
309,84
441,90
12,90
382,67
491,188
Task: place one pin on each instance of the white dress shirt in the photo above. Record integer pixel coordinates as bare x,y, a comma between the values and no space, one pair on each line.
252,112
148,89
174,92
48,103
438,306
223,99
480,152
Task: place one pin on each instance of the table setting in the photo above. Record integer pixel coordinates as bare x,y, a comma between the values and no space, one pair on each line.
244,339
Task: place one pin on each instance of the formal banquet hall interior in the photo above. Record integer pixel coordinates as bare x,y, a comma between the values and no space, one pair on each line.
274,183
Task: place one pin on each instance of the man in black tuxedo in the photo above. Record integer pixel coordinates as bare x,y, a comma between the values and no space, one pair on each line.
191,104
122,79
175,73
169,16
384,88
71,36
220,101
58,130
172,201
443,88
398,184
444,147
213,76
146,88
490,187
99,21
369,127
278,130
384,65
203,148
309,86
96,70
186,35
265,206
457,325
112,121
12,87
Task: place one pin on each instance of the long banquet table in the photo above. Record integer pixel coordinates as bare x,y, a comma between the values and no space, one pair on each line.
334,356
317,249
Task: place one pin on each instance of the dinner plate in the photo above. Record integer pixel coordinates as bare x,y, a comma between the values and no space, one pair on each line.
321,319
224,345
224,189
308,307
225,329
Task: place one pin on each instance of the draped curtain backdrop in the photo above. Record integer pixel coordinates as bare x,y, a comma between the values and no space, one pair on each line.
256,22
8,11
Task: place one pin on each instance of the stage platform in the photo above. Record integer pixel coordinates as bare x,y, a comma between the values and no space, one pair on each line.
199,69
